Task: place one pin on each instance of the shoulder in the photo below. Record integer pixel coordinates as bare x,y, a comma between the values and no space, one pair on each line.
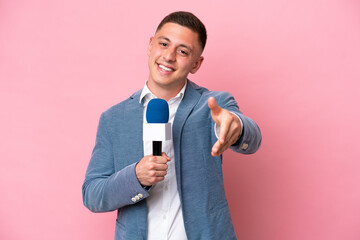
207,93
220,96
118,109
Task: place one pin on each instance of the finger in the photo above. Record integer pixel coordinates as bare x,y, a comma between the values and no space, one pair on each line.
230,134
165,156
215,149
231,140
234,132
232,128
160,173
213,153
157,167
152,159
155,173
214,107
218,148
159,159
161,167
224,131
219,151
223,148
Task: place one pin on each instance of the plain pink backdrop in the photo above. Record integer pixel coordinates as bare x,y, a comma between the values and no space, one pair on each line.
293,66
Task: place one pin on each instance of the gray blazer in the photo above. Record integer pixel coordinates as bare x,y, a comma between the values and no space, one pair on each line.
111,184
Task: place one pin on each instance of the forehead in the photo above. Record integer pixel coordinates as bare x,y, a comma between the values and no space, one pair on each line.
178,34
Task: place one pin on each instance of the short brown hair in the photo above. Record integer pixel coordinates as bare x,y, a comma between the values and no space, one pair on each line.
188,20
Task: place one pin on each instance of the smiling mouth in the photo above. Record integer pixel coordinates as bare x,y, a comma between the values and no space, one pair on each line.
167,69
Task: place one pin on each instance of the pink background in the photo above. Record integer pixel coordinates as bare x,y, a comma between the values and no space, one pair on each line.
293,66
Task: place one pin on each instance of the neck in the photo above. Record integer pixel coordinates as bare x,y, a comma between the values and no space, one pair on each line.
165,92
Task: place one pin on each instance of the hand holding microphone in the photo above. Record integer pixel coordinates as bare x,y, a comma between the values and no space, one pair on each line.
152,168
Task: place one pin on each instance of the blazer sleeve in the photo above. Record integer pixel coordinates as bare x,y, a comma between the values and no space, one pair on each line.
104,189
250,139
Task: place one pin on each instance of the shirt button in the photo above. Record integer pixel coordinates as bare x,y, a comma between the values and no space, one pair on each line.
166,188
164,217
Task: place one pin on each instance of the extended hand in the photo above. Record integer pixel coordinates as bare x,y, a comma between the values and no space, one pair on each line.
151,169
230,127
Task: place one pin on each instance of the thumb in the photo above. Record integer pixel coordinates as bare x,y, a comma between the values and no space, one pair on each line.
214,107
165,156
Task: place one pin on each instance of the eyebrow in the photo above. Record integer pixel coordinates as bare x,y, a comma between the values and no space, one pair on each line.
181,45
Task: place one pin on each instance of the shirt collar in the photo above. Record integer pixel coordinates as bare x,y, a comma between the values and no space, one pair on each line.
146,95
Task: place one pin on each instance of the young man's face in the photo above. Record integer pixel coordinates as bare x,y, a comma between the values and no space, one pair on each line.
173,52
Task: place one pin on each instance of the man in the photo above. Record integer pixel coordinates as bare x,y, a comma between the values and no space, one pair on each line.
179,195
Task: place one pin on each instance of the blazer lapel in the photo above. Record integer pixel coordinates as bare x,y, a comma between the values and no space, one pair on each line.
191,97
133,115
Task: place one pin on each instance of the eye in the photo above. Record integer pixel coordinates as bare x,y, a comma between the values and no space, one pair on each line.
183,52
163,44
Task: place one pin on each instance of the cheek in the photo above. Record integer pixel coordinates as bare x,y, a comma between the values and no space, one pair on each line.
155,53
186,66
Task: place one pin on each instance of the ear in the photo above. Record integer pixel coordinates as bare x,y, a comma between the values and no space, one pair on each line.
150,45
197,65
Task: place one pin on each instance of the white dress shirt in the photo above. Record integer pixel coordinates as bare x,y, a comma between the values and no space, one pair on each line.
165,217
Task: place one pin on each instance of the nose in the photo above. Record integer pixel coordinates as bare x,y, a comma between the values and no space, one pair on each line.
169,55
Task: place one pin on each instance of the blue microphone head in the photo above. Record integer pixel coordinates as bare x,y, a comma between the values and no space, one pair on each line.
157,111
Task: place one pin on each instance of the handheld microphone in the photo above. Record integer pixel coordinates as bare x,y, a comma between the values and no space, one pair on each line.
157,128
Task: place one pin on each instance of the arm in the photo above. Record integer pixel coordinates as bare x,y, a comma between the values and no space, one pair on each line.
104,189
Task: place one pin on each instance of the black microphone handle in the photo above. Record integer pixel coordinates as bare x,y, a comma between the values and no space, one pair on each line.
157,148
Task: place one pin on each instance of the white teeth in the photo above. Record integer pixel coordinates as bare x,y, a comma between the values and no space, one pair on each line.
165,68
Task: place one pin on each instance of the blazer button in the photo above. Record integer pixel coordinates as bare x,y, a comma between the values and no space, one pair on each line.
244,146
140,195
137,198
133,199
